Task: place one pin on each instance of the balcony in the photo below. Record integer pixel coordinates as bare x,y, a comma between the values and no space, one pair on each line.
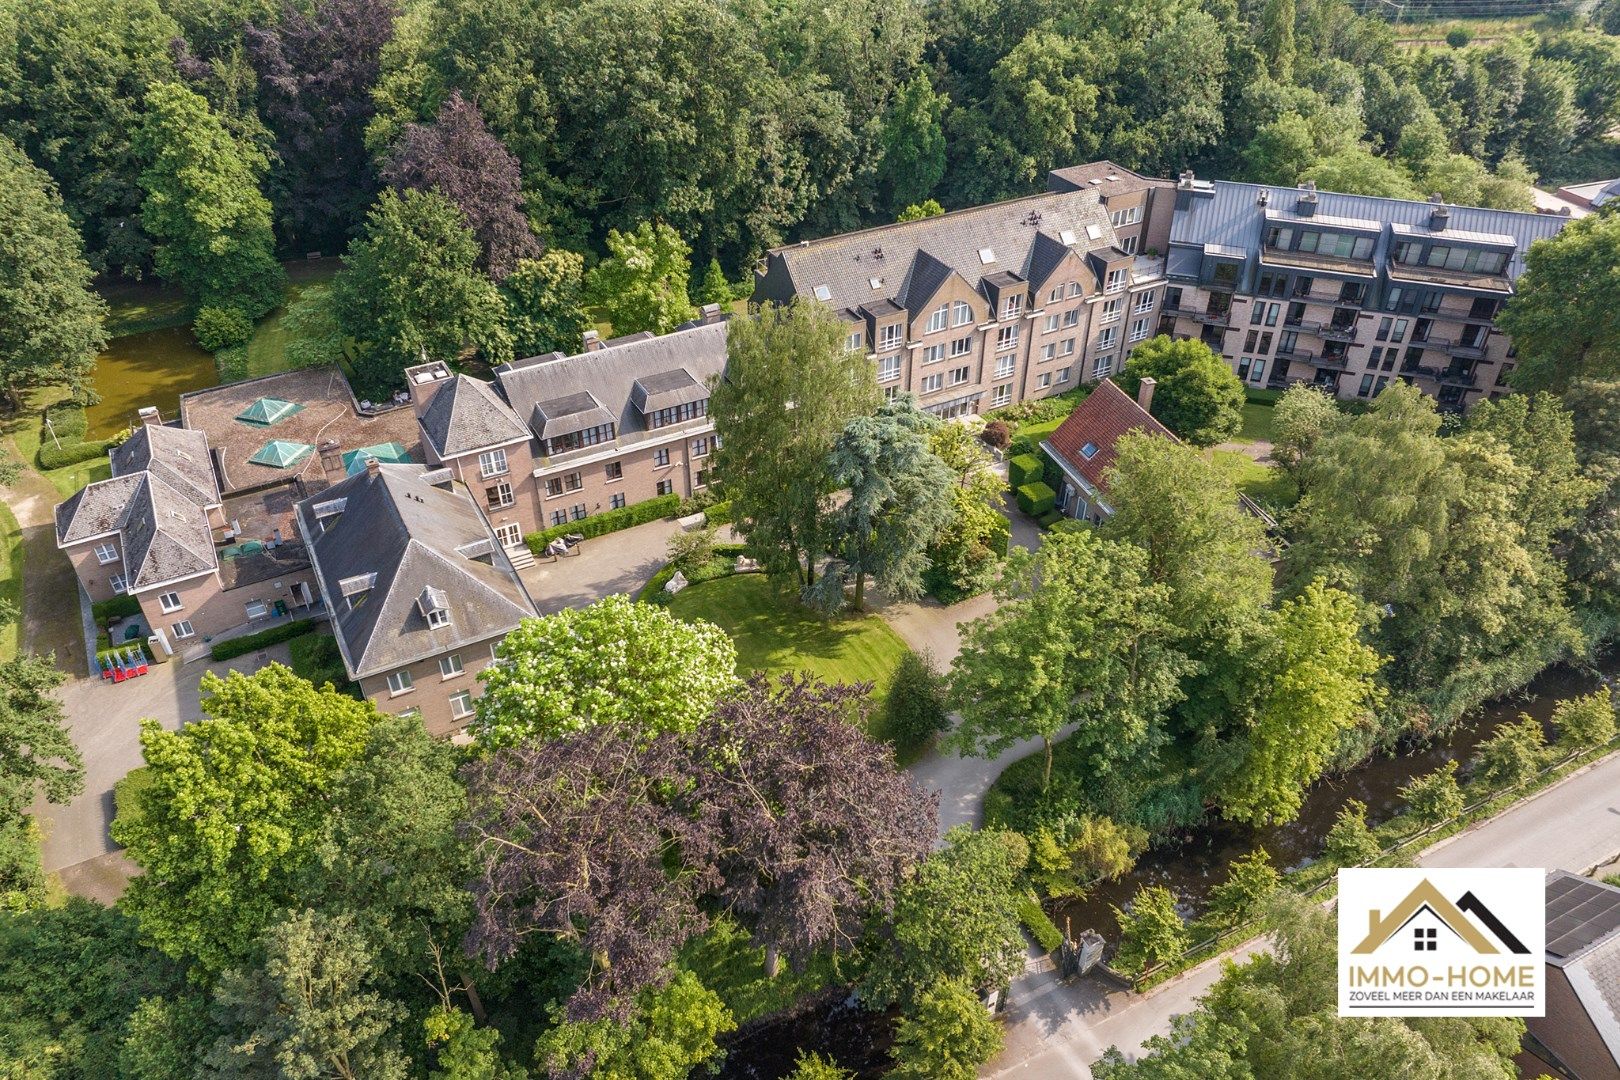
1183,309
1458,378
1420,372
1211,317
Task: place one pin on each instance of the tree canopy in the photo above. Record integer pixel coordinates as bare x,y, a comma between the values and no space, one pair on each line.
1197,396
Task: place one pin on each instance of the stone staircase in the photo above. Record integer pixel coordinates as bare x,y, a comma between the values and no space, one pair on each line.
520,556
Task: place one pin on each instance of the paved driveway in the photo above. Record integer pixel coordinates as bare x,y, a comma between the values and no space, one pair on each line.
618,563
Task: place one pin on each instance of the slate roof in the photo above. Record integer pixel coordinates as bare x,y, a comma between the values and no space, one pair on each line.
609,376
467,415
1110,179
1102,419
165,535
95,510
403,534
931,248
1583,941
179,455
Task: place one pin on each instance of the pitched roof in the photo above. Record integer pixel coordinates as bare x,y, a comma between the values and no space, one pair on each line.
179,455
165,534
975,242
1583,941
1100,421
96,509
396,539
1104,177
466,415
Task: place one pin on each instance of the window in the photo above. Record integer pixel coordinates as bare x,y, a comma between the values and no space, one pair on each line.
939,319
1055,295
1012,306
617,501
450,666
1468,260
1071,319
613,470
1066,347
256,609
962,346
960,375
1107,337
461,706
891,393
933,354
1127,244
574,440
666,487
889,338
557,485
1302,286
1007,338
437,618
1258,371
169,602
1048,351
1004,367
1144,302
1483,308
1111,310
1044,380
1102,367
106,553
400,682
1400,330
1425,939
679,414
492,463
509,535
498,495
931,383
961,313
1352,292
1062,375
559,517
700,446
1116,280
661,456
702,478
1051,323
1128,216
888,368
183,629
1074,289
1272,285
1257,314
579,512
1000,395
1139,329
856,339
1365,390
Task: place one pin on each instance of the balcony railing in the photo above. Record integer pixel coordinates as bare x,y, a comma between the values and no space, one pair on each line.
1458,378
1217,318
1453,347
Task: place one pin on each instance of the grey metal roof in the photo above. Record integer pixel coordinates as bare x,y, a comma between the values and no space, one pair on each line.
403,534
466,415
179,455
846,264
609,374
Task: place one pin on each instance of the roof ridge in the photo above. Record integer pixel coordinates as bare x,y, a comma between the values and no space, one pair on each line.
1529,214
928,222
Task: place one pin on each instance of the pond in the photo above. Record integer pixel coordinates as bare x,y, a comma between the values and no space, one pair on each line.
152,368
1190,863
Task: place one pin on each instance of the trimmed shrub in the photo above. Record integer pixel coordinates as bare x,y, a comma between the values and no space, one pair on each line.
119,607
640,513
218,328
1459,36
1036,499
1040,927
67,420
52,457
1049,519
228,650
718,514
914,711
996,434
1024,469
231,363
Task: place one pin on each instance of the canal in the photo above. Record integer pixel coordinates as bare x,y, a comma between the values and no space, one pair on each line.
151,368
1193,860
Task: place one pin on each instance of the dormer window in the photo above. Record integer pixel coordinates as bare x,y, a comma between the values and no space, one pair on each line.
889,337
356,589
1116,280
1012,306
434,606
437,619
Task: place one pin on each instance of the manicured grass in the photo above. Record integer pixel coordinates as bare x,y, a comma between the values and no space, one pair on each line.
267,352
1265,484
11,580
776,634
1257,422
26,432
1037,432
134,306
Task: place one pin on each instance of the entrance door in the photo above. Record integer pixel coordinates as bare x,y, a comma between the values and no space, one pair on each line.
510,534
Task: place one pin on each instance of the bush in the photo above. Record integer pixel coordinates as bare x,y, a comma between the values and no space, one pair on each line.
1049,519
227,650
996,434
689,550
316,657
1434,798
51,456
67,419
1512,755
1585,721
1459,36
1250,882
119,607
1041,928
130,795
611,521
217,328
914,711
1152,932
1036,499
718,514
1025,469
231,363
1350,842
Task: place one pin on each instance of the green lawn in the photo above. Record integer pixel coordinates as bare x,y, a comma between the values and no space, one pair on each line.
1036,432
1257,422
11,565
266,353
774,633
26,432
1265,484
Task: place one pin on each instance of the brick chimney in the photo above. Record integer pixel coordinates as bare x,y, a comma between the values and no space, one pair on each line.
149,414
710,313
1144,393
373,466
593,341
332,460
426,380
1305,205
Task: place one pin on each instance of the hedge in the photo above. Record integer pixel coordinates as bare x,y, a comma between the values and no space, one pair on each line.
72,453
316,658
1041,928
1036,499
68,419
718,514
227,650
640,513
119,607
1024,469
1050,518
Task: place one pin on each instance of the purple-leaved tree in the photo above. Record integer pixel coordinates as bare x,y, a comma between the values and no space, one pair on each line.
457,156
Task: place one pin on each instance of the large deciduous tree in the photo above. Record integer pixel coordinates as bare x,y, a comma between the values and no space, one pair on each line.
1565,315
1593,557
642,283
617,663
1197,396
790,387
317,66
203,206
807,821
670,1033
50,321
964,556
545,304
457,156
37,757
410,290
1081,637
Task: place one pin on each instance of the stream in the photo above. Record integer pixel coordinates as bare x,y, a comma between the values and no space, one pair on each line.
1188,864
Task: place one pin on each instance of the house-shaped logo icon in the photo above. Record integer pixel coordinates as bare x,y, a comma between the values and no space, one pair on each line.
1426,911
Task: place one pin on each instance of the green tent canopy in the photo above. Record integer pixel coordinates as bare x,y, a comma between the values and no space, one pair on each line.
279,454
266,411
389,453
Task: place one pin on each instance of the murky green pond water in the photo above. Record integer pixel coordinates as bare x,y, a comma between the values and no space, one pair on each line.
153,368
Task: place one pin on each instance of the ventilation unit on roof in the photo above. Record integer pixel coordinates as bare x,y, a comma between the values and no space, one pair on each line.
823,293
877,253
987,256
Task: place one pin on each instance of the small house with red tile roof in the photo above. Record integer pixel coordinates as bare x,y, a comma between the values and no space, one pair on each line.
1085,445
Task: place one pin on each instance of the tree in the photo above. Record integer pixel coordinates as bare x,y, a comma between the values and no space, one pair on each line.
314,336
1197,396
1565,314
1586,721
464,1051
545,304
957,918
913,145
1512,755
965,554
1593,553
917,211
1079,638
317,66
805,819
1317,680
946,1035
790,387
1434,798
642,283
714,289
816,1067
1282,151
457,156
409,290
669,1035
37,758
310,1009
1151,932
1359,171
914,710
1250,883
1276,38
1301,417
203,206
232,803
50,320
1076,852
1350,842
899,500
615,663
